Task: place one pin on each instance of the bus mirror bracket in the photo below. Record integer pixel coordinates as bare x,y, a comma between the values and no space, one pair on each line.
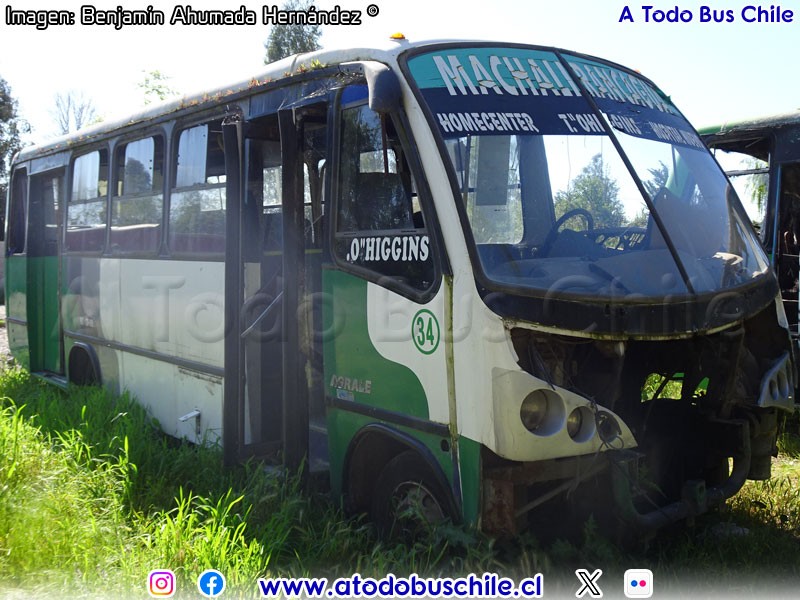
384,88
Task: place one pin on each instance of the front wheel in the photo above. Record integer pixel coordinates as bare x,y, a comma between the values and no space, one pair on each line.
408,498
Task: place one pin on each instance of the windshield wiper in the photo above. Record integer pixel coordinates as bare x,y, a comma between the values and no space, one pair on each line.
636,179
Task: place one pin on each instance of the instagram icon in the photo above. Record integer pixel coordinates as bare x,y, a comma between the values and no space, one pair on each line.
161,583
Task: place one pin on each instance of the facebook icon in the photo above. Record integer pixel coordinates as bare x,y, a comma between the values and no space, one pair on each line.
211,583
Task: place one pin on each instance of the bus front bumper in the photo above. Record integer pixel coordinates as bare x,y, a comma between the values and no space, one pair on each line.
696,498
506,506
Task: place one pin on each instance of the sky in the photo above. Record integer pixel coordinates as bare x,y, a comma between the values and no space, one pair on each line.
713,71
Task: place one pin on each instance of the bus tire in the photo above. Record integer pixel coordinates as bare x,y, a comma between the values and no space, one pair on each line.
408,498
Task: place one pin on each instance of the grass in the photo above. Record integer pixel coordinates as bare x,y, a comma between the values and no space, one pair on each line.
90,492
93,497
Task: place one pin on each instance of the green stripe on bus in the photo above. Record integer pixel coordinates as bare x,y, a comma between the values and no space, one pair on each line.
351,355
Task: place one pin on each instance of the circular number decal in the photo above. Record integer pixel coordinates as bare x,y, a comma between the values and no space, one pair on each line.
425,331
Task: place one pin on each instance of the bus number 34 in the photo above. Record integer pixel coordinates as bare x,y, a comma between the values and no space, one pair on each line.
425,331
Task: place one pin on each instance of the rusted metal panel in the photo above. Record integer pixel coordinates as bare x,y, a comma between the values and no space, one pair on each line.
498,507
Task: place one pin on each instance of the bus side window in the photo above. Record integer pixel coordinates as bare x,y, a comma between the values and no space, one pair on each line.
17,212
136,204
87,209
380,223
197,199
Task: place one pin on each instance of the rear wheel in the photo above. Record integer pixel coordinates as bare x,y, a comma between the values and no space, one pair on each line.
408,498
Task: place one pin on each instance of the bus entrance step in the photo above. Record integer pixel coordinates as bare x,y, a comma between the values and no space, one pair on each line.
56,378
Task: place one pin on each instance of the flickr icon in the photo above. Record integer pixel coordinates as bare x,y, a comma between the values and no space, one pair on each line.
638,583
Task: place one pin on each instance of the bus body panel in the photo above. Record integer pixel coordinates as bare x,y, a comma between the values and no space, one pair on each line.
371,361
17,308
43,322
144,309
172,392
354,369
170,307
412,334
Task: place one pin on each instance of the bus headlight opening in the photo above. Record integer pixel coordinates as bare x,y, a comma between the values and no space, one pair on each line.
607,427
542,412
533,411
580,424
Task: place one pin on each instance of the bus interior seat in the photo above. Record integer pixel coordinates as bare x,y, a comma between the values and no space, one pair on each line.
273,231
376,192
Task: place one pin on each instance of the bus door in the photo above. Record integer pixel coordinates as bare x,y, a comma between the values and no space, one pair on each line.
275,258
786,180
44,276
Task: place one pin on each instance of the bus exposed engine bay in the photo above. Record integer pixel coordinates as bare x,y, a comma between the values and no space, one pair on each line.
691,404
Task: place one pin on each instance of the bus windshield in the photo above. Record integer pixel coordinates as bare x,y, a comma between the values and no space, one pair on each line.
550,201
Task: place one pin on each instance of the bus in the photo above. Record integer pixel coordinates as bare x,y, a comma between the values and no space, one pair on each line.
762,160
502,284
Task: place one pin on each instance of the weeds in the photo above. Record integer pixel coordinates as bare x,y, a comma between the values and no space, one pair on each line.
89,487
91,494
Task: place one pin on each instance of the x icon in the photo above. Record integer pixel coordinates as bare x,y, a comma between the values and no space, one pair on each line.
589,583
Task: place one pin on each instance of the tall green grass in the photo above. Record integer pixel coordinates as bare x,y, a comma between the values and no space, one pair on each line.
93,494
93,497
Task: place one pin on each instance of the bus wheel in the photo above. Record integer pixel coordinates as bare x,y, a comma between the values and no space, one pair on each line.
408,499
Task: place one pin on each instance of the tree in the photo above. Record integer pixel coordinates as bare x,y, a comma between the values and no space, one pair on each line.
658,179
12,127
156,86
595,191
285,40
756,185
72,111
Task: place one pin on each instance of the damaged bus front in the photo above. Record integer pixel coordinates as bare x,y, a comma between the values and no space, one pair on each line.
632,329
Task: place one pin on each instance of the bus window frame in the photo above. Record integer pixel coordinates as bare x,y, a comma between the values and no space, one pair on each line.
171,172
123,140
17,172
531,304
767,234
438,253
485,285
107,145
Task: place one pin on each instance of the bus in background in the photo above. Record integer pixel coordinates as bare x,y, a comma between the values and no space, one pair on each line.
474,277
762,159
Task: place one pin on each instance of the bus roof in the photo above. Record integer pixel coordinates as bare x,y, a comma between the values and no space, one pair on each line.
282,69
755,125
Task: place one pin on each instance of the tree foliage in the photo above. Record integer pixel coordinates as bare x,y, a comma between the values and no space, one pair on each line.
756,185
594,190
658,179
155,86
286,40
12,127
73,110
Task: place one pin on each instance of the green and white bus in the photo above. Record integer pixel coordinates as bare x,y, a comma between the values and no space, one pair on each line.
475,275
